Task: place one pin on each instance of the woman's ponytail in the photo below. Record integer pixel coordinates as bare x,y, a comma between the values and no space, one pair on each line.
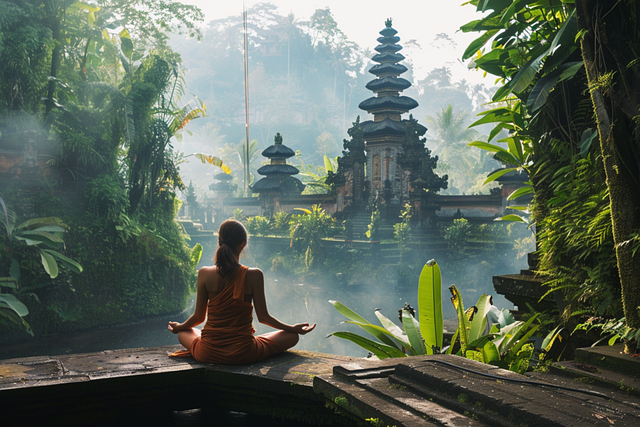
230,236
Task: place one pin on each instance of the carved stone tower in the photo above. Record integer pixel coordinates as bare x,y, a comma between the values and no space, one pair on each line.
384,135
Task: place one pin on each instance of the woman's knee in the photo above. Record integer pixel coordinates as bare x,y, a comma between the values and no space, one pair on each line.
187,337
290,339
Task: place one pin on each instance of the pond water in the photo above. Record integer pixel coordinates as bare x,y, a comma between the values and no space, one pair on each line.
289,300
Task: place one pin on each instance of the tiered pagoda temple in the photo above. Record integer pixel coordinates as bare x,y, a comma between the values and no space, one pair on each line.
278,180
396,158
385,163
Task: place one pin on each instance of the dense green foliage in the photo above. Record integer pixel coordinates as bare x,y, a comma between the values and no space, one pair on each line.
98,88
569,78
484,332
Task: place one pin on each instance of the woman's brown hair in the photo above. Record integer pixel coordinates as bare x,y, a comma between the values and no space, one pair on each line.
230,235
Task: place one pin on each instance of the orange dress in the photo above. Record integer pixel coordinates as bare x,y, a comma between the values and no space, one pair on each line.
227,337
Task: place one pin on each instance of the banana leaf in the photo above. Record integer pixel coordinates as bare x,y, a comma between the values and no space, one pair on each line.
378,332
417,346
394,329
11,302
41,237
50,264
65,261
430,307
490,353
479,322
548,341
513,352
380,350
347,312
463,323
40,222
515,335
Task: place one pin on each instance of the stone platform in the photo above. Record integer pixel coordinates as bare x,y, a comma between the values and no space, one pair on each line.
318,389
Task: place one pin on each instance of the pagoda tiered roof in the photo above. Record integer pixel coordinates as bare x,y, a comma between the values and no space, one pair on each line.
273,169
278,151
387,127
388,57
391,104
388,69
388,83
388,105
278,173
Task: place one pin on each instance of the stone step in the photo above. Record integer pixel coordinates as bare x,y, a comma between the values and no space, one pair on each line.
403,397
503,398
358,403
591,374
611,358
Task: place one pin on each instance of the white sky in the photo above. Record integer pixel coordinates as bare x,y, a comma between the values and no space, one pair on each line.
420,20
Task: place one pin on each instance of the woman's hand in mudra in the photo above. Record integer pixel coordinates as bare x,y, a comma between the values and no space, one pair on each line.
303,328
174,327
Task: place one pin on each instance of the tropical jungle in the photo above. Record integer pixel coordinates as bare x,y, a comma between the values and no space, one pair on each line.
115,118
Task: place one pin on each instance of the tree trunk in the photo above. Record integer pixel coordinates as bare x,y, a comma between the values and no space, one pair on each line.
606,46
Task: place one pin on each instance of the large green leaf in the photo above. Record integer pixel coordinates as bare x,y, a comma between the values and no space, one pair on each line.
497,115
417,346
480,342
513,217
40,236
497,174
522,79
393,329
430,306
505,156
527,189
479,322
512,354
541,90
512,333
376,331
475,45
347,312
585,141
65,261
490,353
196,254
548,341
563,43
34,223
463,322
10,301
50,264
380,350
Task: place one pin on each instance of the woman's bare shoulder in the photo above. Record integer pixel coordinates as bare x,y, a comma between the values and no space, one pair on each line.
208,271
254,273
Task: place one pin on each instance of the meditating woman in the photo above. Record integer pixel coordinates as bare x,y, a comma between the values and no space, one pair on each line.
225,293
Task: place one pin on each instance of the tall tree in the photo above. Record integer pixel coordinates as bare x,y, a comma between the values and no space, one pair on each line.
610,44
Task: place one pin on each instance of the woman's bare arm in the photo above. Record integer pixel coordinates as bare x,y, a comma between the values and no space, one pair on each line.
200,312
256,279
